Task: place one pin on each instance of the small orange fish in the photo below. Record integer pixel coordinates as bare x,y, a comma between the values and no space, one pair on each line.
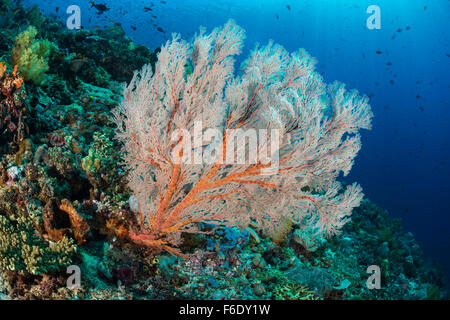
96,27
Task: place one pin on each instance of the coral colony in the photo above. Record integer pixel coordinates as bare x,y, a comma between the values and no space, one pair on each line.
277,91
169,175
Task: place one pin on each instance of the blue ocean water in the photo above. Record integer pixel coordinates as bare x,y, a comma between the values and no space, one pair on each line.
404,68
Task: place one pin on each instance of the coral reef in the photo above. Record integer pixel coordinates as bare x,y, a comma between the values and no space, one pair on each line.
21,250
65,196
12,97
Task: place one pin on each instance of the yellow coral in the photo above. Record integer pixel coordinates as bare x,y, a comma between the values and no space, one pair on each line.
292,291
21,249
31,55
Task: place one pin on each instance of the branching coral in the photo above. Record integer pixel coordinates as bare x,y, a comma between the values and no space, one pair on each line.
303,132
24,245
31,55
22,250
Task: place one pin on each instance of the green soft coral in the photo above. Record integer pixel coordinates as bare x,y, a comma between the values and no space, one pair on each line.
31,55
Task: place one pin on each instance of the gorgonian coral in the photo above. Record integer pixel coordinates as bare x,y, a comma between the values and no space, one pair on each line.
257,149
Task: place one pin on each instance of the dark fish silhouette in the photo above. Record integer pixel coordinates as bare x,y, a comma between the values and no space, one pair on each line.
288,7
146,9
389,64
379,52
160,29
100,7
